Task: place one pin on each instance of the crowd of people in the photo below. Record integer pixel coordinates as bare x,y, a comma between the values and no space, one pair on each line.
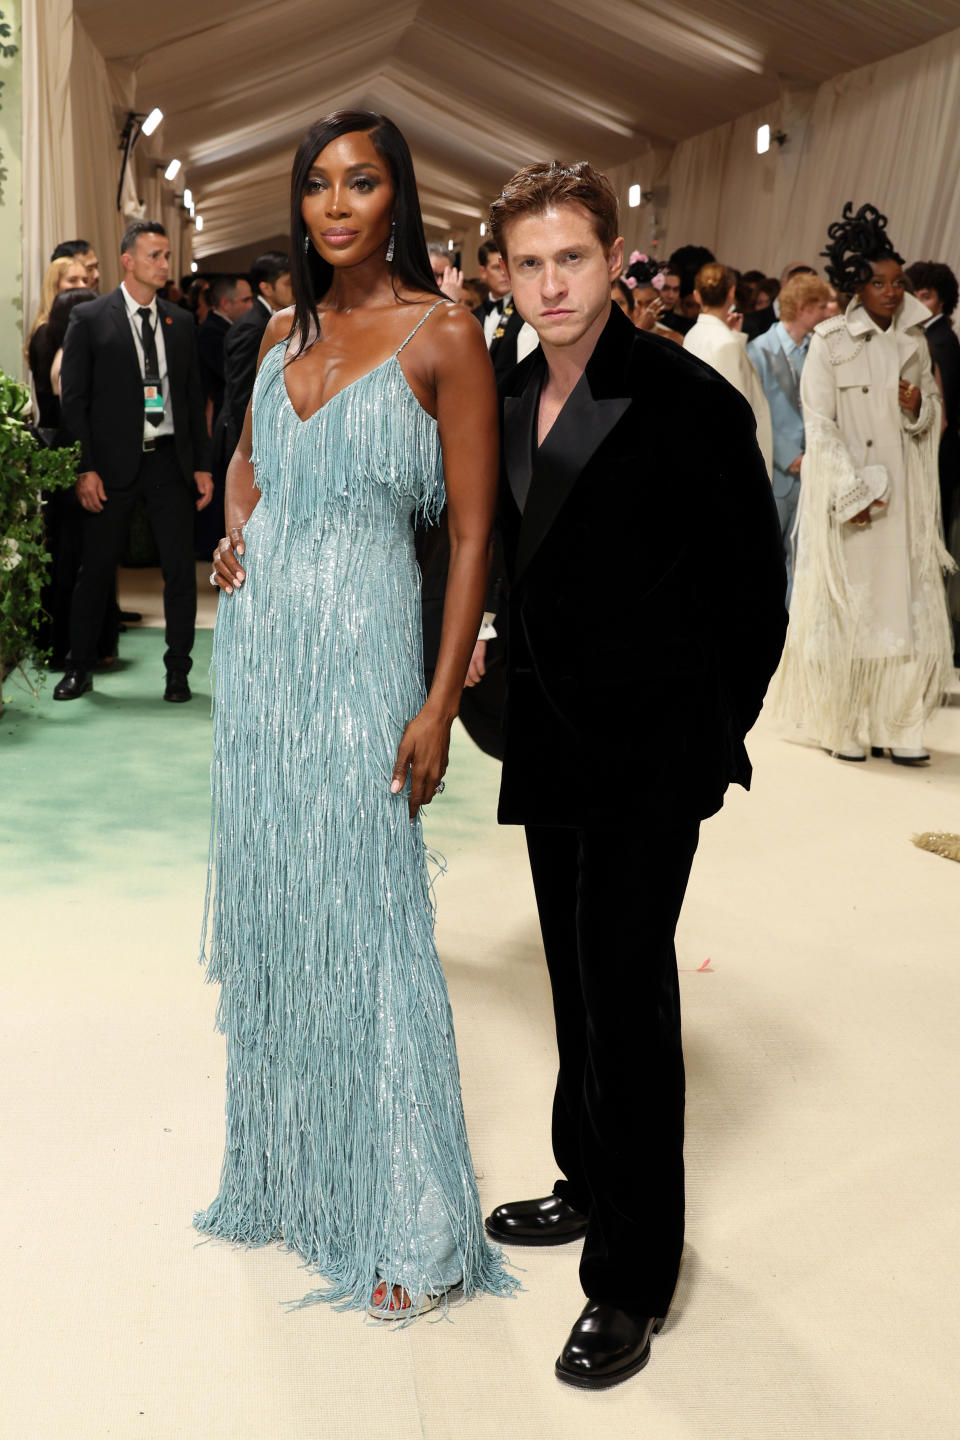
807,424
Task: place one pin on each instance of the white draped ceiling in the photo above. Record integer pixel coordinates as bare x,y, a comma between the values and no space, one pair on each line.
478,89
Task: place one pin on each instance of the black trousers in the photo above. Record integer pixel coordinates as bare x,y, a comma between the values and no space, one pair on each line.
609,900
170,510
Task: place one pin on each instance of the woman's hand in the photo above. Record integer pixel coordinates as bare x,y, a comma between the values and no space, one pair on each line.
910,398
424,752
650,315
227,572
863,517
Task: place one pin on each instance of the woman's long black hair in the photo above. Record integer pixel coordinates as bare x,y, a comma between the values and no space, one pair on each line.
311,275
854,242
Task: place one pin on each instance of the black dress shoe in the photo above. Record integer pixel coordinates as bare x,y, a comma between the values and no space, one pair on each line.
550,1221
74,684
177,689
132,617
605,1347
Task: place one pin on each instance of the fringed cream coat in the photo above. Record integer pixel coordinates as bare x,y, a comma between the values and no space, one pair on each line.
869,649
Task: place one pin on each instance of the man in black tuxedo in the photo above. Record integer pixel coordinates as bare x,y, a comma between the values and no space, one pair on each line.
270,282
644,621
230,298
509,338
130,394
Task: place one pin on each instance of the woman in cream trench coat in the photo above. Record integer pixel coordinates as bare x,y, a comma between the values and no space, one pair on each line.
868,654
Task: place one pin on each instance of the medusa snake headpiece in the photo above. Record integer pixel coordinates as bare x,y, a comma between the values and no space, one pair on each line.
854,242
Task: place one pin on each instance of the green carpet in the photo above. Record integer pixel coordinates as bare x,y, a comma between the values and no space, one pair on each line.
113,788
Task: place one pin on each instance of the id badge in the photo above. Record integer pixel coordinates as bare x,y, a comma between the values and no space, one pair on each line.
152,398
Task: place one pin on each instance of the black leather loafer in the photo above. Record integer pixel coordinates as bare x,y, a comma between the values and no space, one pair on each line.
74,684
550,1221
177,689
605,1347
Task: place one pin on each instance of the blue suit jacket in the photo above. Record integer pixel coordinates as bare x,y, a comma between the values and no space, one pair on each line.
780,379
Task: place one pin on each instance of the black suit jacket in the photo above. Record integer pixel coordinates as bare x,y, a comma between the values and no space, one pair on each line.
210,338
240,350
646,610
101,390
945,353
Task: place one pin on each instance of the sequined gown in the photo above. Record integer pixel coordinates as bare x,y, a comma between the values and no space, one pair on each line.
345,1133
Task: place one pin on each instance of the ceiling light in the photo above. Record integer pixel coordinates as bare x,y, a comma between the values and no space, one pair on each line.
199,222
449,244
193,210
483,229
171,170
152,121
188,197
193,267
634,195
763,139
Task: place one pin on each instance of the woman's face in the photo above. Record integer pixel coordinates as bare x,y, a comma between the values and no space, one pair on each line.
73,278
882,295
618,298
347,203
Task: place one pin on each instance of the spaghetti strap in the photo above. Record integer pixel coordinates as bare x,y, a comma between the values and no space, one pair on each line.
420,322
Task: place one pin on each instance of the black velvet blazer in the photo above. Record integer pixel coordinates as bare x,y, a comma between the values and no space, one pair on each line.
646,612
101,390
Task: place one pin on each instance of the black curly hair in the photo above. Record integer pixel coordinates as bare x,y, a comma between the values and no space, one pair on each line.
932,275
643,271
855,241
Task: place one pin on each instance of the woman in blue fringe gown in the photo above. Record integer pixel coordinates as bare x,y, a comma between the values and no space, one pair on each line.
374,402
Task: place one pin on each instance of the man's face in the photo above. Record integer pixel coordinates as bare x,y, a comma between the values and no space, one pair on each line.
92,267
670,291
280,294
559,273
495,276
931,299
149,261
811,315
438,265
240,302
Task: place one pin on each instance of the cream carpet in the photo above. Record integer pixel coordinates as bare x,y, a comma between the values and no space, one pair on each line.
818,1296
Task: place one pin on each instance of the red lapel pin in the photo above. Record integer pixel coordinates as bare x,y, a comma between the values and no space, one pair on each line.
168,319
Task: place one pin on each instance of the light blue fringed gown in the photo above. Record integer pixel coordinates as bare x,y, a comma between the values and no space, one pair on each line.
345,1132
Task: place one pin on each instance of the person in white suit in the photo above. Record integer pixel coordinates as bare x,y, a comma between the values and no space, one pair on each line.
869,651
716,338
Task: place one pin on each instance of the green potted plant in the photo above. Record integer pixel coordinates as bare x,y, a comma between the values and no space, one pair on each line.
27,468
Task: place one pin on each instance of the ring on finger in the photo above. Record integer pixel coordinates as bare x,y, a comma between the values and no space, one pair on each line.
213,578
439,788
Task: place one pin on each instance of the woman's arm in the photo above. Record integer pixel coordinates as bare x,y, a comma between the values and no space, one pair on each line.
467,420
242,494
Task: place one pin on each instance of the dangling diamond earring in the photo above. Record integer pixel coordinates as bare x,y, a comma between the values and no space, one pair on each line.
393,240
306,244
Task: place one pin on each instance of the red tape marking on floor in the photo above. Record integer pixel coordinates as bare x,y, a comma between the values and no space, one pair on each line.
697,969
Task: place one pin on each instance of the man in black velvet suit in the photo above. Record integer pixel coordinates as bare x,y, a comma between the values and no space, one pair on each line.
644,621
131,395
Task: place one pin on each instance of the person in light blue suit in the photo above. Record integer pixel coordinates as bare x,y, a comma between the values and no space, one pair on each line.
778,355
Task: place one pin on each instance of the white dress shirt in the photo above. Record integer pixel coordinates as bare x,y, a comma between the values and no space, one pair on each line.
151,432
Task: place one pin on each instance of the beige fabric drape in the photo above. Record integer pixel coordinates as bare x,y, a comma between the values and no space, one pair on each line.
49,200
887,133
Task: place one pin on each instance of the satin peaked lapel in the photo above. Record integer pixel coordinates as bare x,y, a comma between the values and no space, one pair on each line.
578,432
519,419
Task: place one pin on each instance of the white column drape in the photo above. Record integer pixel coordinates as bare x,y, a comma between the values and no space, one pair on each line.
49,197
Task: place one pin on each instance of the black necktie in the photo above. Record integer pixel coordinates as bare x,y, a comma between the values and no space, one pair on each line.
151,365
